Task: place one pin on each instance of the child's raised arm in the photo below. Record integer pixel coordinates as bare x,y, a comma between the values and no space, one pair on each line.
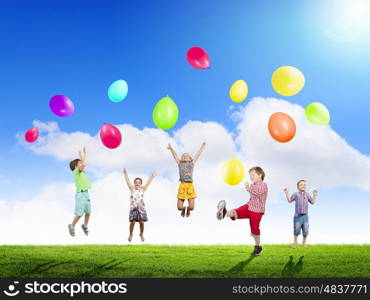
128,180
149,181
197,155
169,147
82,155
287,195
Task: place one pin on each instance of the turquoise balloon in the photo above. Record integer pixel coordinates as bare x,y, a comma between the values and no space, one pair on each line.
118,90
165,113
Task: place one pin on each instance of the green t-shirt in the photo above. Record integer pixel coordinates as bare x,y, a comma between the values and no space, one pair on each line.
81,181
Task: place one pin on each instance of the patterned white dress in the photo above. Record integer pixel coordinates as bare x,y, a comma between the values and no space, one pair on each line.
137,206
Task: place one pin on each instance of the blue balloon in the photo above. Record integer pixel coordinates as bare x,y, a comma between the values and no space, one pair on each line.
118,90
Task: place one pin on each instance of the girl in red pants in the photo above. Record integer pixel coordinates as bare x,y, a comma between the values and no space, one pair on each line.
253,210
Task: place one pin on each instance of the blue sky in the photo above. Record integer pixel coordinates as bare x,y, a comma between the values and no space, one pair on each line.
78,48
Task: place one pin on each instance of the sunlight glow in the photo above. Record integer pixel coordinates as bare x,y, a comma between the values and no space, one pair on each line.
349,20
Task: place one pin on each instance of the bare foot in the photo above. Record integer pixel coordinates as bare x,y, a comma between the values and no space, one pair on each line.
304,245
183,212
142,237
130,238
294,246
187,212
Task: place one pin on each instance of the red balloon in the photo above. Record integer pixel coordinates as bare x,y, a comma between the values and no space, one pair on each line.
32,135
282,127
198,58
110,136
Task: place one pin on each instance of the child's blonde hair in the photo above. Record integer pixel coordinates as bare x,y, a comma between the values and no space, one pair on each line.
182,156
259,171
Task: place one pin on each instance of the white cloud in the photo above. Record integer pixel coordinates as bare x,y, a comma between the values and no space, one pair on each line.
317,154
140,150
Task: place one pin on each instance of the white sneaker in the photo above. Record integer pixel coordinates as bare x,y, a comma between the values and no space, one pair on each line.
71,230
221,210
85,229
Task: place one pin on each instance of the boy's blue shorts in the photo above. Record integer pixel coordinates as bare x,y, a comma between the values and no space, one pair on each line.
82,203
300,223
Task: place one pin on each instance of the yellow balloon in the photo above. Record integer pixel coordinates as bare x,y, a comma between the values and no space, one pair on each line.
287,81
239,91
233,171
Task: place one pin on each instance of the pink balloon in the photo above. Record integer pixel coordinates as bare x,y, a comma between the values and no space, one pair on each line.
31,135
110,136
198,58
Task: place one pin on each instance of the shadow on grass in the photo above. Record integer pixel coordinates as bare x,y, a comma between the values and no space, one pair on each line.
96,270
239,267
235,271
40,268
291,269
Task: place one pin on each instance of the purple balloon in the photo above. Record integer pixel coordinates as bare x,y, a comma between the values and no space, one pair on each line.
61,106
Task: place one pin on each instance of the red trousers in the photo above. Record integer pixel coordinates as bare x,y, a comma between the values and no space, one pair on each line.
243,212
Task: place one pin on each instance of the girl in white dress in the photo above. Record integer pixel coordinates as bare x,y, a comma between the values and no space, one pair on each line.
137,205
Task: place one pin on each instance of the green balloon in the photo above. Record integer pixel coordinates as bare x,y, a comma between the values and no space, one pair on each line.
317,114
118,90
165,113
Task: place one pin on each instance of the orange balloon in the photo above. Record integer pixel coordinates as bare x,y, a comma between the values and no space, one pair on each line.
282,127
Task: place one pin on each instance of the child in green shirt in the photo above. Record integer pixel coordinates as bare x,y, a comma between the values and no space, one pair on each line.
82,198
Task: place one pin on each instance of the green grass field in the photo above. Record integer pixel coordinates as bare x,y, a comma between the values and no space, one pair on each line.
94,261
